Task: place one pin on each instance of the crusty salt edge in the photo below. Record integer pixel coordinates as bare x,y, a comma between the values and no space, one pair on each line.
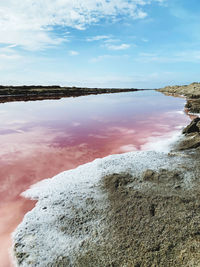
39,237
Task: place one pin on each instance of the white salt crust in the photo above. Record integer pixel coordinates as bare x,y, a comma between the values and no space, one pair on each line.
75,195
194,114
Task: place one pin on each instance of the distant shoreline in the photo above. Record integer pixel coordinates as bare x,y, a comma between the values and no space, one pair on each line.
30,93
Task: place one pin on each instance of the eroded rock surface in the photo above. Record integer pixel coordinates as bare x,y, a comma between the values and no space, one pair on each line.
193,105
193,127
191,139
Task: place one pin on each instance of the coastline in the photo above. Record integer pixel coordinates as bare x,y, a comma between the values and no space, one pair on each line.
191,92
134,209
31,93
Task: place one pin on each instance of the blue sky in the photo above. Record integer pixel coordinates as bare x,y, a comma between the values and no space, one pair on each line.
100,43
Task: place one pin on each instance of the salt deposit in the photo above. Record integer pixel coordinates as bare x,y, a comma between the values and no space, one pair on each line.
70,210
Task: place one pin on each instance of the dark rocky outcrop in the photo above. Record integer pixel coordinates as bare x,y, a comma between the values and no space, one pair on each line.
191,138
193,105
193,127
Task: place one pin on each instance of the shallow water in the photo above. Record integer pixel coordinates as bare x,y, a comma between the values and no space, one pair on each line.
39,139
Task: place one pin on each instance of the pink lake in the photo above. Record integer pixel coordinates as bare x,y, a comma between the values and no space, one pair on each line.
39,139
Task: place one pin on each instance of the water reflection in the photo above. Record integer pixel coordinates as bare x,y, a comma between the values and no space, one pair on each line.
42,138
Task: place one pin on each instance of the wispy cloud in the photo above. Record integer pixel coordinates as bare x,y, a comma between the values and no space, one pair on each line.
118,47
145,40
109,42
73,53
30,23
105,57
10,58
7,53
174,57
98,38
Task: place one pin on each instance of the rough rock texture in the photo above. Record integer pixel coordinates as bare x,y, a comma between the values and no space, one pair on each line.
193,127
193,105
191,137
191,140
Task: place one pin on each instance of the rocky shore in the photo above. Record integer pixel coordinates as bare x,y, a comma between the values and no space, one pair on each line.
30,93
192,94
137,209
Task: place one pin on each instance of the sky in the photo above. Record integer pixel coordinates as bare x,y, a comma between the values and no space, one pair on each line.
100,43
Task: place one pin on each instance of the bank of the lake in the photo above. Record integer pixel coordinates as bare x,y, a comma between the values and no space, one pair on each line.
133,209
191,92
30,93
39,139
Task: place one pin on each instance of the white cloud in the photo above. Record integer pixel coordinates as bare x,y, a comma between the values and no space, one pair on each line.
14,62
107,57
145,40
98,38
30,23
118,47
9,58
100,58
111,40
175,57
73,53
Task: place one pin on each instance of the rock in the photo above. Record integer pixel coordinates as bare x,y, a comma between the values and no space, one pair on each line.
192,140
193,105
149,175
192,136
191,90
193,127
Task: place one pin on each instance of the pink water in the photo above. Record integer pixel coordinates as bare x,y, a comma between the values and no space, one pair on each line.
39,139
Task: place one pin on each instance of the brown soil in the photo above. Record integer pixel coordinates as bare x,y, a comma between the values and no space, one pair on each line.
155,227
